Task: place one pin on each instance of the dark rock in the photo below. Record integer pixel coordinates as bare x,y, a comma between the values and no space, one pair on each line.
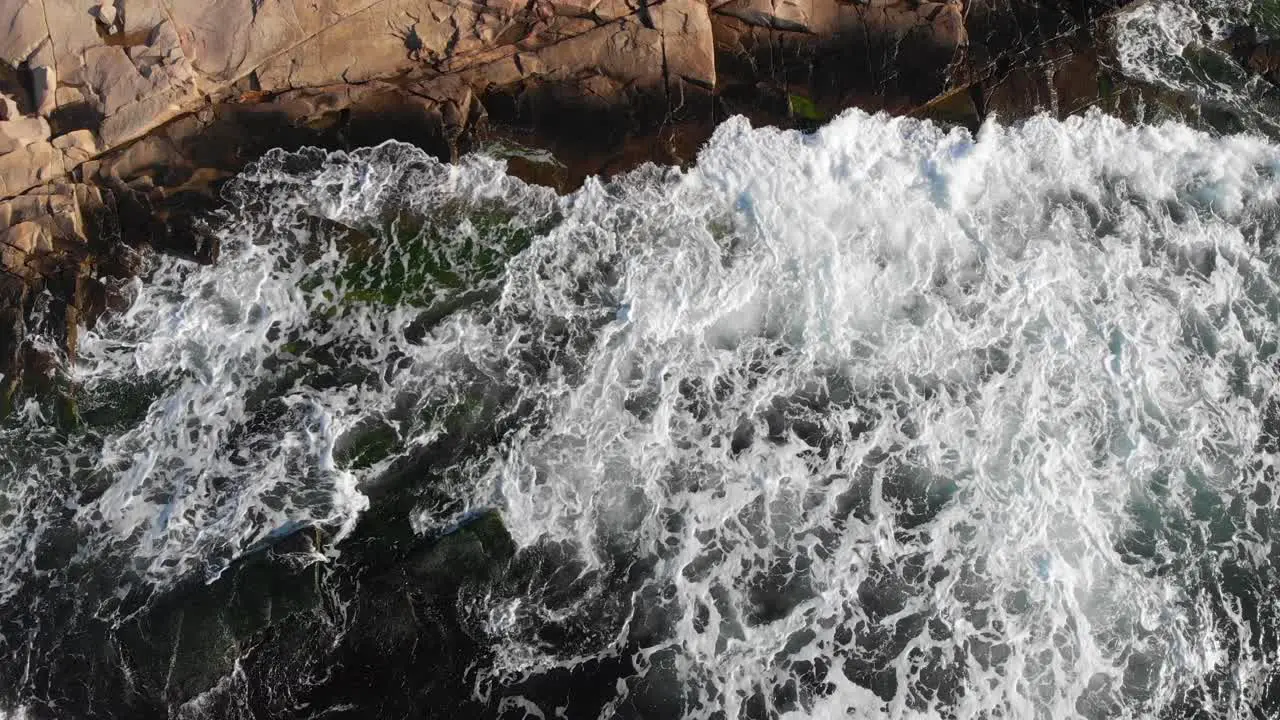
1265,60
296,632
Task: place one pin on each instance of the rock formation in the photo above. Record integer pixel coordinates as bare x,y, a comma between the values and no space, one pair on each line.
119,119
135,109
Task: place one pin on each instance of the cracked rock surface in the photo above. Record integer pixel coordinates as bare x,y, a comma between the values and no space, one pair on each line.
121,119
152,104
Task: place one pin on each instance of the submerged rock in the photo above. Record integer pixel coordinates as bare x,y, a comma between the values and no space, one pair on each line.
280,625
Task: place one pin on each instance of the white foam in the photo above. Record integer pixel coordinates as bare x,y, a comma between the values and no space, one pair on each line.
1175,45
893,257
1015,383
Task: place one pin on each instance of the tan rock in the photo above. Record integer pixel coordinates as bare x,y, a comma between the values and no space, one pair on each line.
88,198
142,157
22,29
64,222
229,39
23,237
394,36
8,108
688,45
28,167
135,119
140,16
623,50
946,23
221,34
68,95
73,27
54,217
114,78
23,131
106,13
604,10
13,260
120,77
18,243
21,209
78,146
793,15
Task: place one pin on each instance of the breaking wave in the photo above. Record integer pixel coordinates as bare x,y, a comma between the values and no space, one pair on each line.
883,419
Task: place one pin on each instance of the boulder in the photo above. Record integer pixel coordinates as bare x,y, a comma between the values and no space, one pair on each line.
28,166
387,638
17,245
24,28
106,13
21,132
9,108
78,146
188,641
24,237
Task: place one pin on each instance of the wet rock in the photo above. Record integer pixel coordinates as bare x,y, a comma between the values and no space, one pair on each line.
314,635
470,552
408,648
1265,60
13,295
185,643
875,55
162,103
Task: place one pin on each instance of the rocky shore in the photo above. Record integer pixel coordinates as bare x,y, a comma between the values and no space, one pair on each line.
120,119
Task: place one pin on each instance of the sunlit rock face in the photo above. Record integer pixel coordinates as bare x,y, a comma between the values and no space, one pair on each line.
965,419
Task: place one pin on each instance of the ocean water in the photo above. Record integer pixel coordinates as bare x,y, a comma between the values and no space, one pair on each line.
883,420
1183,47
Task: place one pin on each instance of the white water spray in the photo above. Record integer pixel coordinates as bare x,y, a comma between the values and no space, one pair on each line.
879,420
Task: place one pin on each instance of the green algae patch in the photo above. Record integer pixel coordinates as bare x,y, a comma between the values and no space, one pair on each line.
804,108
416,259
367,445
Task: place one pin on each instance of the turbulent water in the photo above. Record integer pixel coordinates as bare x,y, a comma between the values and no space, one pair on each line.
1182,46
879,419
885,419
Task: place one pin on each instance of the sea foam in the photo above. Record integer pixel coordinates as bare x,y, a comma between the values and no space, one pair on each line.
883,419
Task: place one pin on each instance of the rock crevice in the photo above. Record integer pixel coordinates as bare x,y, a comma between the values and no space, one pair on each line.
152,103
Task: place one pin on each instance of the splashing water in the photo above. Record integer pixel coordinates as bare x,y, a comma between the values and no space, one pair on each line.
1179,45
882,419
